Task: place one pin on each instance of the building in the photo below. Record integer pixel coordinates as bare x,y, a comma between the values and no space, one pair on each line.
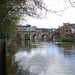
38,29
20,28
66,29
60,30
33,28
28,27
23,28
72,26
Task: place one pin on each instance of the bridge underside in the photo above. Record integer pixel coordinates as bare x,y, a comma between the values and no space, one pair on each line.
31,35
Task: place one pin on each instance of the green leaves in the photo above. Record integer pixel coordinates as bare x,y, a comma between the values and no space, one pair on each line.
7,18
12,10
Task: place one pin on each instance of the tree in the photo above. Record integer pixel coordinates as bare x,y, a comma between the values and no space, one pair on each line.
7,18
12,10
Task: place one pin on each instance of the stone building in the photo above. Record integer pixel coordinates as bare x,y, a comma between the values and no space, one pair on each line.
20,28
72,26
60,30
66,29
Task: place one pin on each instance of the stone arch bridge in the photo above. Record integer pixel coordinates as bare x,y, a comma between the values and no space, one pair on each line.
31,35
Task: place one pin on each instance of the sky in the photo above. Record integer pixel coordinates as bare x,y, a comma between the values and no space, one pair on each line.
52,20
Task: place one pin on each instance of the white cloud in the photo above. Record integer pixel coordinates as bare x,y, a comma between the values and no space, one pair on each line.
53,20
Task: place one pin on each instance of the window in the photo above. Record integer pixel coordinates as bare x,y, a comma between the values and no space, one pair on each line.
66,30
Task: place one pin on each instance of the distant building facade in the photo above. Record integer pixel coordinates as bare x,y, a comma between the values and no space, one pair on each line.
60,30
28,27
72,29
20,28
33,29
67,30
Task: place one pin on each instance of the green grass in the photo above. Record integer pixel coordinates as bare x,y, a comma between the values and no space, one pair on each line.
9,68
68,39
13,39
1,40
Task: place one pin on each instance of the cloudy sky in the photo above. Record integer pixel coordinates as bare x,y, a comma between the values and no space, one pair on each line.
53,20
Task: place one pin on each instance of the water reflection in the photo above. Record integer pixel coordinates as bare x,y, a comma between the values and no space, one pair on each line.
44,58
67,48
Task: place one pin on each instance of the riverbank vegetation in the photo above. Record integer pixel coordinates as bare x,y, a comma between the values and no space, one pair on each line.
13,39
12,11
9,68
68,39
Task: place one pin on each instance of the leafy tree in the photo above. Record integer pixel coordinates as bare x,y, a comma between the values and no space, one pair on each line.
8,19
12,10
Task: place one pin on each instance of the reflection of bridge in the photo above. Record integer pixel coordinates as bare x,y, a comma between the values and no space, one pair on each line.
32,35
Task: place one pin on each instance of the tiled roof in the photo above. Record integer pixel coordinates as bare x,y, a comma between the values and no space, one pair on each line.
66,23
72,25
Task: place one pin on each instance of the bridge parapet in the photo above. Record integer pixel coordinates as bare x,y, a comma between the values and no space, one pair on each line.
23,34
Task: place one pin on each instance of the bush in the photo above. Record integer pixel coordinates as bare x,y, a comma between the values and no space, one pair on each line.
68,39
13,39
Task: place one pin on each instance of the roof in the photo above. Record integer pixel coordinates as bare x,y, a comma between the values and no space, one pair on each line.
28,25
66,23
72,25
34,27
20,26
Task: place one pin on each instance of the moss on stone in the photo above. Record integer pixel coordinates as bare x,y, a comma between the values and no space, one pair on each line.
9,68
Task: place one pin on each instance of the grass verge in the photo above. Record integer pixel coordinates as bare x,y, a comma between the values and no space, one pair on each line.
9,68
68,39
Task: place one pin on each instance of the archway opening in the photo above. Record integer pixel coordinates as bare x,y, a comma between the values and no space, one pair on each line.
56,37
18,36
35,37
27,37
44,37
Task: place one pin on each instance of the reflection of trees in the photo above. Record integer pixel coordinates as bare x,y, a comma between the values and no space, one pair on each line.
67,48
22,72
13,47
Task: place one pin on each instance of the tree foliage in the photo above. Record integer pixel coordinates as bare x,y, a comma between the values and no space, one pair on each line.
7,18
12,10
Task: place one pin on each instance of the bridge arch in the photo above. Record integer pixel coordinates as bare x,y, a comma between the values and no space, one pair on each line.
27,36
35,36
18,36
44,36
56,35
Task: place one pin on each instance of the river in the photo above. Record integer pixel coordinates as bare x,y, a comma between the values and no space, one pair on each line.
43,58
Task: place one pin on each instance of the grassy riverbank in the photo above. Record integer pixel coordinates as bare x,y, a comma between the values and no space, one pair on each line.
9,68
13,39
68,39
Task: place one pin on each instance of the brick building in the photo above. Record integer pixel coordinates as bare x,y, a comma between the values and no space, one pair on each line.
20,28
66,29
60,30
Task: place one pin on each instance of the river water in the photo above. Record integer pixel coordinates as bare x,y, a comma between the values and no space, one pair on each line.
43,58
